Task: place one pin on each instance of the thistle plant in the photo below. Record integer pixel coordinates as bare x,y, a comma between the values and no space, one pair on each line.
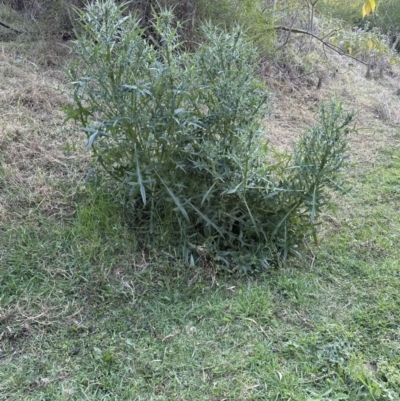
180,135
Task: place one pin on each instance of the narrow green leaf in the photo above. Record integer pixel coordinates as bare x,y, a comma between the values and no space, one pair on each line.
206,219
140,180
176,200
314,204
278,226
207,193
94,136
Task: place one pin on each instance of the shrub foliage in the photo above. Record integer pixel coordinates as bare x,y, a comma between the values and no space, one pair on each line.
180,135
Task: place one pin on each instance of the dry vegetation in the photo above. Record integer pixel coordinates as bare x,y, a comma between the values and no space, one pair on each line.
34,141
376,100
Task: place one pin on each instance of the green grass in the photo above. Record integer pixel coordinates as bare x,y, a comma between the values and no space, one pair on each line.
85,317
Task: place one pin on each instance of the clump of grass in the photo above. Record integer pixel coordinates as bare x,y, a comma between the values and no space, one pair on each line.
384,105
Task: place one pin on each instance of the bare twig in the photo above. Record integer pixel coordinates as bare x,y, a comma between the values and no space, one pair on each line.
155,43
395,43
329,45
288,36
11,29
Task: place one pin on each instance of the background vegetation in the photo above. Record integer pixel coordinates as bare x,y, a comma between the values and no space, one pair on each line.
385,19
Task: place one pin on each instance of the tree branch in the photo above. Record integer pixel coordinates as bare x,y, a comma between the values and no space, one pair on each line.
12,29
329,45
396,42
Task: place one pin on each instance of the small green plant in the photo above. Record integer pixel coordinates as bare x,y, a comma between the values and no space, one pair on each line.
180,134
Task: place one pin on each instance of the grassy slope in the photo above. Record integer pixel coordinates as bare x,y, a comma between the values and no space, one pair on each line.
84,318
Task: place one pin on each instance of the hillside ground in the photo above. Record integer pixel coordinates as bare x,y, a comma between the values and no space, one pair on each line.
84,317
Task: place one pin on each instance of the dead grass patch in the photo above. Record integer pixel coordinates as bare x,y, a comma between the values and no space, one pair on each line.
374,99
37,169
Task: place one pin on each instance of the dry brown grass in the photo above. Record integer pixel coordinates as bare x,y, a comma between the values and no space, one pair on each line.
376,100
37,170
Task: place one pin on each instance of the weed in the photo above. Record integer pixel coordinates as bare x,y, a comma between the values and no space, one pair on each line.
180,135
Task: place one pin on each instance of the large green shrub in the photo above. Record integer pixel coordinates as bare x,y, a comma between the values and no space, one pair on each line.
180,135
